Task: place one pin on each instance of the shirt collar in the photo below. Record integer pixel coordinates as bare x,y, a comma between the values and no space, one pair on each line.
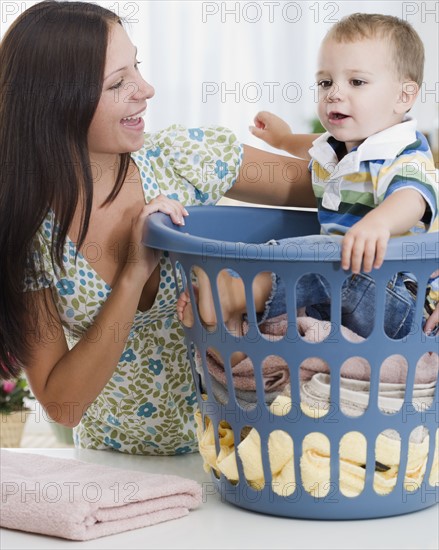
382,145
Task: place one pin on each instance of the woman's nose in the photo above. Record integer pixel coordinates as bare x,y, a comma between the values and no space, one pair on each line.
143,91
149,90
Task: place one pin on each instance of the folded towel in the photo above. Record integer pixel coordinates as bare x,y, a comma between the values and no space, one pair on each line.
246,399
354,395
275,373
315,459
81,501
315,464
275,370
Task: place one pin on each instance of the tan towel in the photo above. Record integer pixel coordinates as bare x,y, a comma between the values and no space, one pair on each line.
81,501
276,373
355,394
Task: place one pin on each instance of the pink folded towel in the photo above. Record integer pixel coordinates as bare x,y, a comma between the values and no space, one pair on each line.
81,501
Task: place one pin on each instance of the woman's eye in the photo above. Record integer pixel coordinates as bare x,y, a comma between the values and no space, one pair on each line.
355,82
325,84
117,85
121,81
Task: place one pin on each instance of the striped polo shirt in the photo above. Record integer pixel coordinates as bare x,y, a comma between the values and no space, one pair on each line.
346,190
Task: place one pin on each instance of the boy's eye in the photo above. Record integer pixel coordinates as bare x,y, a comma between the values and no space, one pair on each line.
356,82
324,84
136,65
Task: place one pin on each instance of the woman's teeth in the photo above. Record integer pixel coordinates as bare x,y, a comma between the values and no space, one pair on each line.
135,117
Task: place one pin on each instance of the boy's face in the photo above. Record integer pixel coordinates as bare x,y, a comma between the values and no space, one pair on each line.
359,91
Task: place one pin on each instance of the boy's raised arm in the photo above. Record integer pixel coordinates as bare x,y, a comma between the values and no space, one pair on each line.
276,132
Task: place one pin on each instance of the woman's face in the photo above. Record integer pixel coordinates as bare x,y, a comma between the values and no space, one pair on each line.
117,125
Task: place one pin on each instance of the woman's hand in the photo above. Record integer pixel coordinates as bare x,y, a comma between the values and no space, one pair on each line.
142,259
433,320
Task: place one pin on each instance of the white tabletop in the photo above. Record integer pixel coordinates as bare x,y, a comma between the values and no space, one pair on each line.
221,525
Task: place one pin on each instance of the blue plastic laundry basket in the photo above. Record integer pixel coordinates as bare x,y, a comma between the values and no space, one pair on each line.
216,238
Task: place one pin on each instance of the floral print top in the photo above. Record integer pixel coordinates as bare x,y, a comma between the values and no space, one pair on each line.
148,405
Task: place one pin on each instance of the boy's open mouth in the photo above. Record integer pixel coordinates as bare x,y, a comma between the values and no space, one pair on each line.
337,116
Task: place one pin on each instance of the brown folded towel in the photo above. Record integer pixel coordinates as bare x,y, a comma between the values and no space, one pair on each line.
276,373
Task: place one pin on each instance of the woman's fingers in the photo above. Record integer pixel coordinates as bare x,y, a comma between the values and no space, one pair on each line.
433,321
174,209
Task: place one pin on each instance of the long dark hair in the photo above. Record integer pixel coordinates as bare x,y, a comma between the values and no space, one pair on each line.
52,62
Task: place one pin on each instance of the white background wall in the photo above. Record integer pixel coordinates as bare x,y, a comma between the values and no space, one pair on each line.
221,62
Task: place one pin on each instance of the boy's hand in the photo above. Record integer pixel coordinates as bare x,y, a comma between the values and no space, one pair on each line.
364,245
366,241
271,129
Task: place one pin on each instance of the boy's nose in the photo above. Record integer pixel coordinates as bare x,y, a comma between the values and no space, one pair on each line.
334,93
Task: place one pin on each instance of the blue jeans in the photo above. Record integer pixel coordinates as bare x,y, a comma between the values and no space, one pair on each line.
358,298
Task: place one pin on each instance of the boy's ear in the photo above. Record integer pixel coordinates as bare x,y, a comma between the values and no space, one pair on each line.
407,96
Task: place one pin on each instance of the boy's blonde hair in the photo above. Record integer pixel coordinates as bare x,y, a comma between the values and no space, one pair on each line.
408,49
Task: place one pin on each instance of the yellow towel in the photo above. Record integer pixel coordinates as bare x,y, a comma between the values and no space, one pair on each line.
315,459
206,444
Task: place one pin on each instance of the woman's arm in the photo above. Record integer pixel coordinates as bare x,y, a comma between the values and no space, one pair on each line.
271,179
67,381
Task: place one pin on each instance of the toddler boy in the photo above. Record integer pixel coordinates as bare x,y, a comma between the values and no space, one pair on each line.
372,173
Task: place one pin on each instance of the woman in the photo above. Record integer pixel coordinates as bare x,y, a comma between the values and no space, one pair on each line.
95,327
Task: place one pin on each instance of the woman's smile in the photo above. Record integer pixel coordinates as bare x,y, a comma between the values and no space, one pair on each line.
134,122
